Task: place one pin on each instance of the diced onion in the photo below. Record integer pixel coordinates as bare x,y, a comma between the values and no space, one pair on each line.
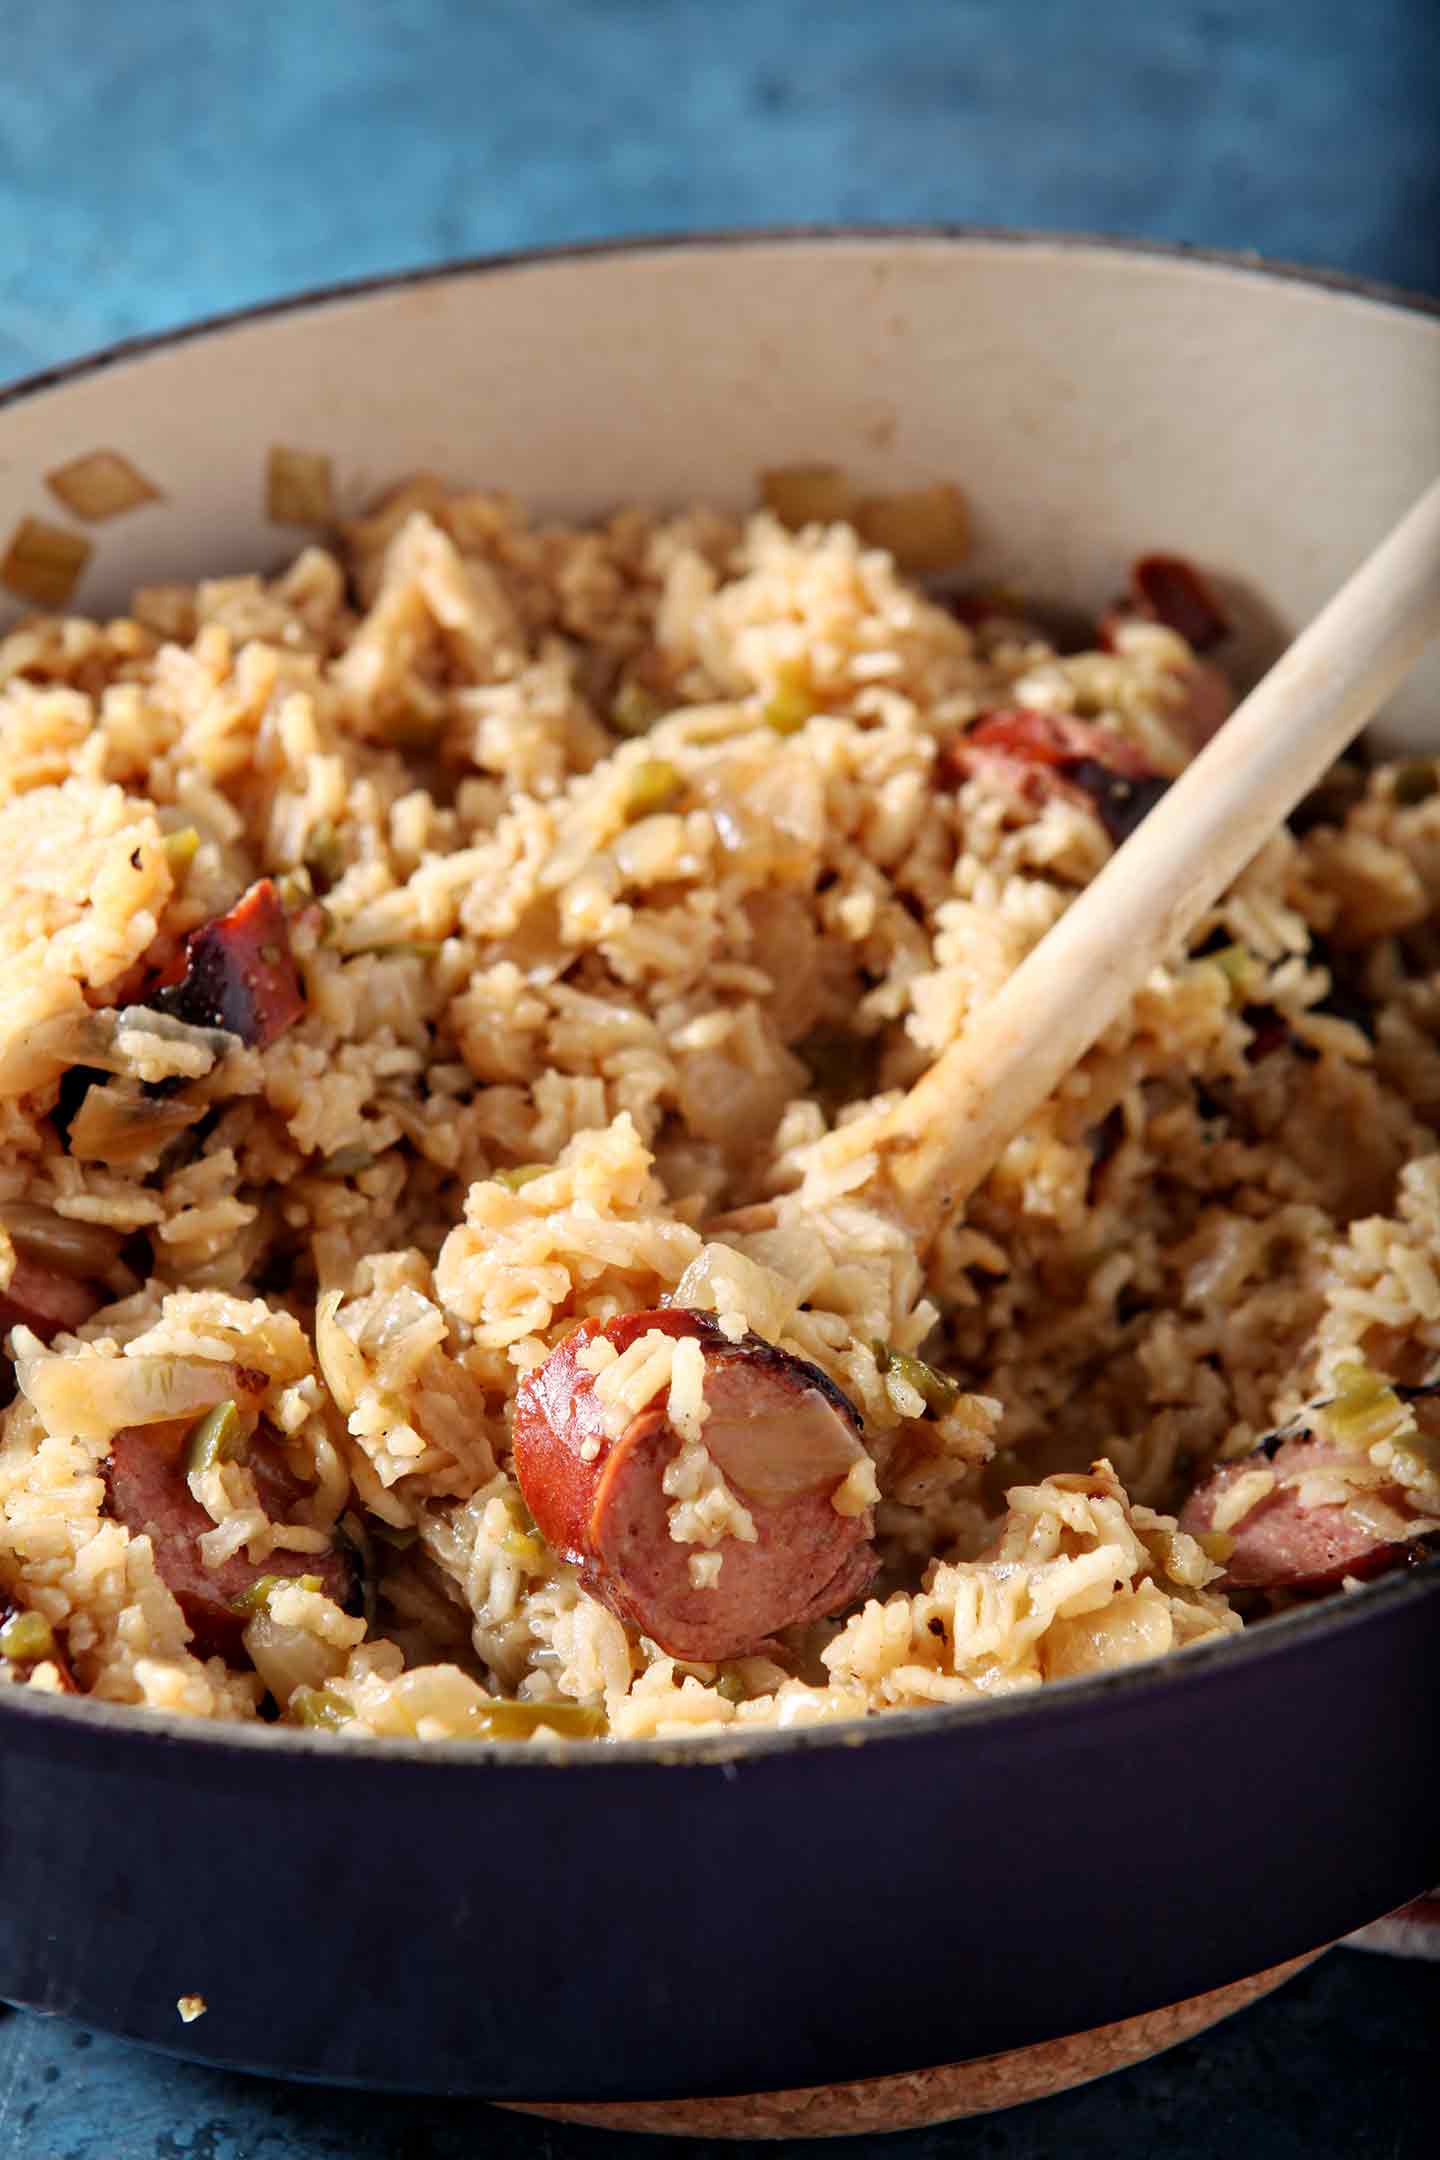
298,488
95,1397
101,484
120,1125
287,1657
43,562
341,1360
771,1453
807,494
924,528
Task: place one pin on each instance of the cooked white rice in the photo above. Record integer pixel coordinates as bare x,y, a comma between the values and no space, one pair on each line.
660,974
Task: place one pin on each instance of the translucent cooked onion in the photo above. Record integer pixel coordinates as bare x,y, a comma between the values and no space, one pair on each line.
444,1699
95,1397
773,1439
120,1124
341,1360
1130,1628
287,1658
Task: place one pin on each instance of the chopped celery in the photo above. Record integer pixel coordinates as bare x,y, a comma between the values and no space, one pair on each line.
257,1597
214,1438
937,1390
788,707
501,1720
180,850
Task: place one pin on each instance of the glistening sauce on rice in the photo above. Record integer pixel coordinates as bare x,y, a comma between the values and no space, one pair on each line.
585,884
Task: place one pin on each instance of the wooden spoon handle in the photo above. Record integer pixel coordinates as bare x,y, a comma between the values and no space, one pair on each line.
948,1132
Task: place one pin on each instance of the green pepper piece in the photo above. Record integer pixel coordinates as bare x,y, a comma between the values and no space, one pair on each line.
26,1638
257,1597
180,850
654,784
502,1720
937,1390
324,1708
325,856
215,1438
788,708
524,1173
635,709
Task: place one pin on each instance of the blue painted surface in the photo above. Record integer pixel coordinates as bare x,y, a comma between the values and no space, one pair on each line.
1339,2066
161,162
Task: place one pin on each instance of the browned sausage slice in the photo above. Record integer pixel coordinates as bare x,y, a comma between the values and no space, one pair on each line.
1043,754
1170,590
240,974
1282,1545
784,1438
44,1300
150,1495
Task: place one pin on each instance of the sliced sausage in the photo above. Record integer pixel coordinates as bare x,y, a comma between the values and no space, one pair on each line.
784,1438
240,974
1045,754
1168,589
44,1300
1208,703
20,1656
1283,1545
150,1494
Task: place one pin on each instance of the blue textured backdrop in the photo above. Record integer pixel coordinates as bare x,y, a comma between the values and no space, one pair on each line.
164,159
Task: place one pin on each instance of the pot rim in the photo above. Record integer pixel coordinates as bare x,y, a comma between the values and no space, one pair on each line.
1244,263
1195,1666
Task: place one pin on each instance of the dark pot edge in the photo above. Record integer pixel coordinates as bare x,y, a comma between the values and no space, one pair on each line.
1203,1664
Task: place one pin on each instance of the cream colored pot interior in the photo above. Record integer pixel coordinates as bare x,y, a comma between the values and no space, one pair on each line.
1091,403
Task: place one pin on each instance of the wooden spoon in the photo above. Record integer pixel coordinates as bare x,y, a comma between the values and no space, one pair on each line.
945,1136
